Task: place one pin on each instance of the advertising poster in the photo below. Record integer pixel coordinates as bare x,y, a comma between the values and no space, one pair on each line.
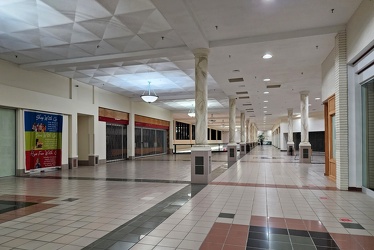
43,139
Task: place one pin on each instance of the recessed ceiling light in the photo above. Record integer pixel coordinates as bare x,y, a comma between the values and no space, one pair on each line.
266,92
266,80
317,98
265,111
267,56
266,101
265,107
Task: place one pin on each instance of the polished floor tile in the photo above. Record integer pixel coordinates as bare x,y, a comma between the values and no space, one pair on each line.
267,200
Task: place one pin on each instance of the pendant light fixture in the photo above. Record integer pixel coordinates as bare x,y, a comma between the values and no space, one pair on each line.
148,97
191,112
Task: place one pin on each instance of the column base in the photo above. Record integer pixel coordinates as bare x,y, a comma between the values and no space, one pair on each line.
290,148
201,164
93,160
232,156
305,152
243,148
72,162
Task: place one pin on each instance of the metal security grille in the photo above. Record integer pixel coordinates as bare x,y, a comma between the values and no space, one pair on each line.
116,142
150,141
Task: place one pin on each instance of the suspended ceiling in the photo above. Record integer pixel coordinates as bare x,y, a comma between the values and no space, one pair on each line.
121,45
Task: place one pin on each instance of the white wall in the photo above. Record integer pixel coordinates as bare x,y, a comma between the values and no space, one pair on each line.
315,123
360,31
328,76
360,37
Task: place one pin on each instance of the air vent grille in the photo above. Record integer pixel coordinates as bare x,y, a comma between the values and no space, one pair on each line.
236,79
242,93
247,104
243,97
268,114
273,86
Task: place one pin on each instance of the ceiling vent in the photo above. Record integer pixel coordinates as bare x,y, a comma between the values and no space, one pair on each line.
268,114
236,79
250,111
247,104
273,86
242,93
243,97
252,116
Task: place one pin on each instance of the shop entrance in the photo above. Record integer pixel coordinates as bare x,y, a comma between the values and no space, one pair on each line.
368,134
116,142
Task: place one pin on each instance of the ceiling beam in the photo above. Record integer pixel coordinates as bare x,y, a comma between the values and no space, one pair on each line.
130,56
277,36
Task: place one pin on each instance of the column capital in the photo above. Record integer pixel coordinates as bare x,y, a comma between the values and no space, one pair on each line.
201,52
305,92
290,109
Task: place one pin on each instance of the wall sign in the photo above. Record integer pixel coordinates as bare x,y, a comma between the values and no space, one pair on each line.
43,140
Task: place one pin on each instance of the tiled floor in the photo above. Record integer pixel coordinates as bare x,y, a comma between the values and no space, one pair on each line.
265,201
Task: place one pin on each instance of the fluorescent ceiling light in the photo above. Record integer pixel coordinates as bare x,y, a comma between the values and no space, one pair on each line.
317,98
267,56
265,107
266,92
266,101
266,80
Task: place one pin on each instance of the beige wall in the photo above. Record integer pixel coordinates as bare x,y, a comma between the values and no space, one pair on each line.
45,91
360,30
328,76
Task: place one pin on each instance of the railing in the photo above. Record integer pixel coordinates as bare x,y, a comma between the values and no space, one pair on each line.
186,148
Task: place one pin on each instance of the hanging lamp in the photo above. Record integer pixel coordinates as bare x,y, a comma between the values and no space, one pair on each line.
148,97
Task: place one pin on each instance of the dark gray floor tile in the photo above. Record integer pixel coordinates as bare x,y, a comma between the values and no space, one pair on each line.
258,243
320,235
258,229
303,247
141,231
324,242
352,225
258,236
131,238
279,237
226,215
301,240
298,233
150,224
278,231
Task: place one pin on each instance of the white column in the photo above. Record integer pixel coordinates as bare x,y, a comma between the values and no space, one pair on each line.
305,149
290,143
201,96
232,119
290,125
201,153
304,108
247,130
242,127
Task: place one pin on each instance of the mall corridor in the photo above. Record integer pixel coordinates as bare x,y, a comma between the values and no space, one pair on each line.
267,200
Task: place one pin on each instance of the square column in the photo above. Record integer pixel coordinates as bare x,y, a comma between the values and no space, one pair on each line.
231,153
231,147
243,148
201,164
305,152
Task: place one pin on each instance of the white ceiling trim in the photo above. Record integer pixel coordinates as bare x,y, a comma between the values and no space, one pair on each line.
131,56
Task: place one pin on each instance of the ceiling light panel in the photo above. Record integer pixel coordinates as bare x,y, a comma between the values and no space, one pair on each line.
236,80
